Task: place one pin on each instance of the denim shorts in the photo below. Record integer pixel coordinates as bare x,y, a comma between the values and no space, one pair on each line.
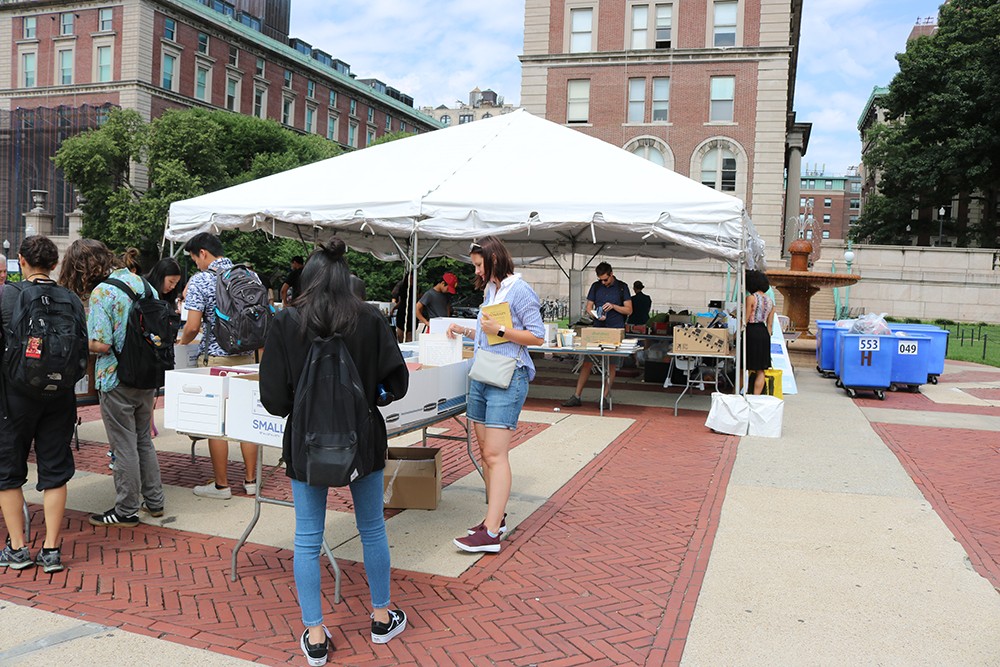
496,407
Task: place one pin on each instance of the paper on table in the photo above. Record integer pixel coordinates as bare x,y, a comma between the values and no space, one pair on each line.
499,313
439,350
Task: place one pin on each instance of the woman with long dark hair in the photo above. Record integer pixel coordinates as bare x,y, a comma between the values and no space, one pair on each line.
325,307
494,410
759,324
165,277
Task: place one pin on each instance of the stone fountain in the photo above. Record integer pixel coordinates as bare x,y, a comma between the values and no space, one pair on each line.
798,285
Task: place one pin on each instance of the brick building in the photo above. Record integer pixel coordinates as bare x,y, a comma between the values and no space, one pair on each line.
66,64
704,88
482,104
834,201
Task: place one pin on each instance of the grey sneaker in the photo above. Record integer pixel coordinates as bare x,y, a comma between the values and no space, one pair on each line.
152,511
572,402
15,559
209,491
50,560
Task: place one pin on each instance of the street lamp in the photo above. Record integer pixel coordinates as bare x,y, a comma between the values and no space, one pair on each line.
941,213
849,260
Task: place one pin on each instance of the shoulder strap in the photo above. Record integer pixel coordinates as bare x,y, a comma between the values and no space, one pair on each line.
123,286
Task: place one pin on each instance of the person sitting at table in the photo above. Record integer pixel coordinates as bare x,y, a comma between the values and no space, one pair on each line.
612,297
759,325
641,305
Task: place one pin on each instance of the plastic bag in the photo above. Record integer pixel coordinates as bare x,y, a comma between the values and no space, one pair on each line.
871,324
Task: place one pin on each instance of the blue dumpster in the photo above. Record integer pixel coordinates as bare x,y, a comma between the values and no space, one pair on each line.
910,359
866,363
838,351
826,339
939,346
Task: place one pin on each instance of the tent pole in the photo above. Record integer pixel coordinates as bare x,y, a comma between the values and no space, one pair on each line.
558,265
413,287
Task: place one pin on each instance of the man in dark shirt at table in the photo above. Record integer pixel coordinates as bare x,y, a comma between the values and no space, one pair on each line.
290,288
612,297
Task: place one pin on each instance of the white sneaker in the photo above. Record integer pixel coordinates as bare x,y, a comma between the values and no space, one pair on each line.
209,491
250,488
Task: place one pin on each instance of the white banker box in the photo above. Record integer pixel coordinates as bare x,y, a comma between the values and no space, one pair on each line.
195,399
246,418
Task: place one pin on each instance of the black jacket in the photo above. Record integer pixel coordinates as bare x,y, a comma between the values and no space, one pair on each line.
376,355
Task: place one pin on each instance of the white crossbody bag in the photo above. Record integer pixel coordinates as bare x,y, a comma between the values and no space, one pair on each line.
489,367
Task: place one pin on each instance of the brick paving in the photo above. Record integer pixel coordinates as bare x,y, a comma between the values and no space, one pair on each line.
606,572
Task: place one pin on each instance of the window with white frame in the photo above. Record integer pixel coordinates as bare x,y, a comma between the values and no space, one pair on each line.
370,138
446,119
64,64
287,110
855,203
402,126
388,123
826,233
202,43
649,151
465,118
331,127
201,82
723,90
827,202
661,99
354,107
718,169
636,100
29,70
333,98
640,27
828,185
105,22
102,63
234,55
578,101
66,23
310,89
30,27
855,186
168,70
288,79
352,135
724,24
232,94
826,218
259,70
310,119
260,102
581,29
802,202
663,37
371,115
170,29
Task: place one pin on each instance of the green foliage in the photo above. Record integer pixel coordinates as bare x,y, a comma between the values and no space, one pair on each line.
943,135
390,136
944,322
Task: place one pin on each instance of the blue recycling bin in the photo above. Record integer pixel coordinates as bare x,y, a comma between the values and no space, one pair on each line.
938,346
826,340
911,356
838,356
866,363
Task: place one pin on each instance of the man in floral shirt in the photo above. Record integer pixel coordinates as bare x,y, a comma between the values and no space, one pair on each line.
206,252
127,412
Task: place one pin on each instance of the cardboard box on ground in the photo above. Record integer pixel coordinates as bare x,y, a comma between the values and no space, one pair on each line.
412,478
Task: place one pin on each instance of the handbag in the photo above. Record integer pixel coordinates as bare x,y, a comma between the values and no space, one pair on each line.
492,368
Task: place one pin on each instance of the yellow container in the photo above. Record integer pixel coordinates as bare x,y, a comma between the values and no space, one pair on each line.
772,384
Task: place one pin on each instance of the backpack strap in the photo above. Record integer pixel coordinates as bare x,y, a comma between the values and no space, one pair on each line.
147,291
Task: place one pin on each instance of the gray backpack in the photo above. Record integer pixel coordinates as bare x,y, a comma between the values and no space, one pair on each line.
242,312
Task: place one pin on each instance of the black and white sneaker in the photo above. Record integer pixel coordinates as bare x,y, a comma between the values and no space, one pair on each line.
112,518
316,654
383,632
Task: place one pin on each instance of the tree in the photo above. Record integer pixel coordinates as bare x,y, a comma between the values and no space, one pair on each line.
943,133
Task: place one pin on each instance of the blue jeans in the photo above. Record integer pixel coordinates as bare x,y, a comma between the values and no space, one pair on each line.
310,520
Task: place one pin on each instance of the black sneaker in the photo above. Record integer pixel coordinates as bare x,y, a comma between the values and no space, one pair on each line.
383,632
316,654
153,511
572,402
50,560
112,518
15,559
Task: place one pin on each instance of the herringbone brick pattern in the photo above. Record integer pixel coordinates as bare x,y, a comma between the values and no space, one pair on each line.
607,572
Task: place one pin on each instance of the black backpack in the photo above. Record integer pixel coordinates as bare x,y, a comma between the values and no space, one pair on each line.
242,311
148,350
331,421
45,345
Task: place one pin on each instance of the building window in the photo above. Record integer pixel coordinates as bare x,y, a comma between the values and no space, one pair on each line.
333,98
828,185
66,67
853,220
371,115
29,73
826,218
718,169
234,55
201,83
288,79
661,100
104,20
802,184
402,126
640,26
802,202
855,187
310,89
827,202
388,123
352,135
648,151
169,63
103,64
578,101
723,94
66,23
724,30
233,94
855,203
812,184
259,71
331,128
446,119
202,43
826,233
354,107
370,137
581,30
636,100
30,27
465,118
663,27
260,102
169,29
287,110
310,119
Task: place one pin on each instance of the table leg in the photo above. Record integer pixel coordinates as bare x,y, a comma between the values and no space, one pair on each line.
256,510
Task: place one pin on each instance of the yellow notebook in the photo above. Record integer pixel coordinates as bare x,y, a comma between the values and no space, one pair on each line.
500,313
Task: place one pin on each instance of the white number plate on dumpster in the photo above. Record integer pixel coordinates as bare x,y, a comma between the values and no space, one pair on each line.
908,347
868,344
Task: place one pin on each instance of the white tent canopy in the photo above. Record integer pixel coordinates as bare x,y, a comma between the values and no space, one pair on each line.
546,189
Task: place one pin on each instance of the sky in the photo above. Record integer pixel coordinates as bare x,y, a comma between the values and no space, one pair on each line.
438,50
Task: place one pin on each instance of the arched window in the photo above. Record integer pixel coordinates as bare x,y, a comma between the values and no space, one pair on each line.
650,153
487,115
652,149
446,119
718,169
